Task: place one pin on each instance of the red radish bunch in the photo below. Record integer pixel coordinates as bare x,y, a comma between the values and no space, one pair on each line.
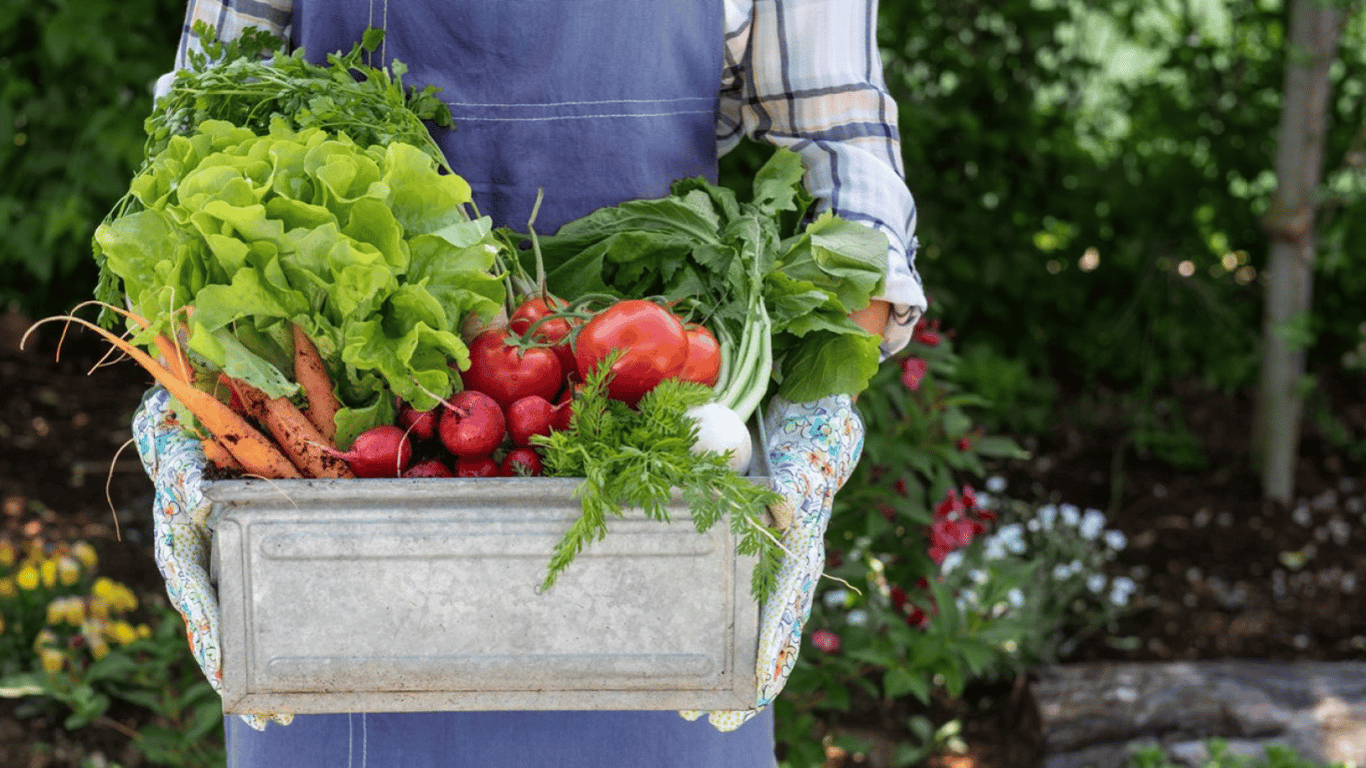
521,383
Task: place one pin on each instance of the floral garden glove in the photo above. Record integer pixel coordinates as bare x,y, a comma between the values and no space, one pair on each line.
175,461
812,449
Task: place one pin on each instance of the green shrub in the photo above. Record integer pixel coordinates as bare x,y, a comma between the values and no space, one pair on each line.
77,84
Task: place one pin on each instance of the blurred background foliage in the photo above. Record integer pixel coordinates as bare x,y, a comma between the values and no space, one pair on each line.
1089,178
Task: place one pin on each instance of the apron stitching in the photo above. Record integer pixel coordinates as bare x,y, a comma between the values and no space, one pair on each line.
582,117
348,740
384,49
364,731
574,103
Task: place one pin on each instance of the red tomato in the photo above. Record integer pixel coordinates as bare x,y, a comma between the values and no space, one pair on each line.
704,356
553,332
654,344
508,374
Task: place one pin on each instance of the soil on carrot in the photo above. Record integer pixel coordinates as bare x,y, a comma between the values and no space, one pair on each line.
1224,574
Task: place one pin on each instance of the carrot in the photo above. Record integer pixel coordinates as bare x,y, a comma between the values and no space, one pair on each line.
175,359
311,374
253,450
218,455
313,454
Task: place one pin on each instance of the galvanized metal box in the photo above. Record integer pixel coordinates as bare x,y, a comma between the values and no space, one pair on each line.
422,595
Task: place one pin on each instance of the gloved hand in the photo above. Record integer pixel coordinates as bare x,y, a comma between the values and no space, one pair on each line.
174,460
812,449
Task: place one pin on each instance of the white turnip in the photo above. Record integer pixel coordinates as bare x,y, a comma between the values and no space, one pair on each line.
721,429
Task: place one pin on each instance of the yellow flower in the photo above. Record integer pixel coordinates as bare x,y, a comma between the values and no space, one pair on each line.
45,639
7,554
48,570
98,647
144,631
99,608
119,597
52,660
27,578
75,611
68,570
123,633
56,611
7,588
86,554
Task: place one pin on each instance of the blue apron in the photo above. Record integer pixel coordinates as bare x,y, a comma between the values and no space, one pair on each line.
595,102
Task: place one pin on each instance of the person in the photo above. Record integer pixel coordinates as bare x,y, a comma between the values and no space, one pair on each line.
597,103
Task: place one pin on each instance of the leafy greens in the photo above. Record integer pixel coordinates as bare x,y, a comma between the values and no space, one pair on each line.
758,267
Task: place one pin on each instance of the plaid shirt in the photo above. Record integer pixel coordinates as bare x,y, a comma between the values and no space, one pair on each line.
804,74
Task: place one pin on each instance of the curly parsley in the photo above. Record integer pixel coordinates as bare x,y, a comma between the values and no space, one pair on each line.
640,458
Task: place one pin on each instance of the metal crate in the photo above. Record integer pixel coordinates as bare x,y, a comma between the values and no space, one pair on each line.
422,595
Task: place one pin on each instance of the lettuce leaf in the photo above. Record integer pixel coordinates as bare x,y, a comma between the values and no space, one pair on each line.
369,249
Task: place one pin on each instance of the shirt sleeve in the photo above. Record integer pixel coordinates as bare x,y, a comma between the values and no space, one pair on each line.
807,75
228,18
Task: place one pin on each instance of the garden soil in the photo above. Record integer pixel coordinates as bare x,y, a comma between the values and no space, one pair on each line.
1225,574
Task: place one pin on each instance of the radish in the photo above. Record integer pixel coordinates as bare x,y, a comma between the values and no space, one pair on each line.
721,429
479,466
420,424
428,468
522,462
531,415
472,425
382,451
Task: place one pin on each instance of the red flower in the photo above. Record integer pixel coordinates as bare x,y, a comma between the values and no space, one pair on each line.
825,640
964,444
913,372
898,598
927,332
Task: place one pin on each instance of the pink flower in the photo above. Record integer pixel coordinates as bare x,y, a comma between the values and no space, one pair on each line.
825,640
913,372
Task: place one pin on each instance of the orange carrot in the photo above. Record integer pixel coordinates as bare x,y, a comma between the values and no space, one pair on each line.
218,455
311,374
253,450
176,361
313,454
172,356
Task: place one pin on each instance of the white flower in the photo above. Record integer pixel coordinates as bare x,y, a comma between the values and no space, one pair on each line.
1092,523
996,483
995,549
836,597
1115,540
857,617
1070,514
1061,572
1015,596
1013,537
979,576
951,561
1047,514
1121,589
1095,582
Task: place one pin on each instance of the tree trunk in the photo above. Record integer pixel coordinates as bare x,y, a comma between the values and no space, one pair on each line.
1315,28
